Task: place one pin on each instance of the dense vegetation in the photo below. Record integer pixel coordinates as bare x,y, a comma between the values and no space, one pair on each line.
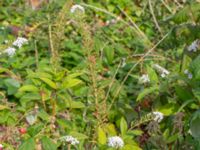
99,75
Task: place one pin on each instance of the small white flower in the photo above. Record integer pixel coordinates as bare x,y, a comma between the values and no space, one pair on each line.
144,78
186,71
190,76
158,116
76,8
194,46
164,72
10,51
70,139
19,42
115,142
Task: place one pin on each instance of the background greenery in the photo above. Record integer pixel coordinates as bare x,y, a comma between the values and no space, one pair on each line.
78,74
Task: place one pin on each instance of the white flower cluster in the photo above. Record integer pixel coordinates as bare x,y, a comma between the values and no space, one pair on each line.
144,78
115,142
158,116
164,72
77,8
70,139
10,51
194,46
189,74
19,42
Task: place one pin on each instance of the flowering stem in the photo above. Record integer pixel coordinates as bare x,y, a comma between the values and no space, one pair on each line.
68,146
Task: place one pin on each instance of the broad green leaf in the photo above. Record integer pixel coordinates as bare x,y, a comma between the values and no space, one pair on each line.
131,147
12,86
123,126
110,129
71,83
74,104
28,145
183,93
49,82
48,144
79,136
147,91
28,88
101,136
152,75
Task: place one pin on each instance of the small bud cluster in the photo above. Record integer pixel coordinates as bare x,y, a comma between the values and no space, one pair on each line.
158,116
70,139
194,46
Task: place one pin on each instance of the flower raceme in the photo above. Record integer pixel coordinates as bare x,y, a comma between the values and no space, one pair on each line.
164,72
115,142
70,140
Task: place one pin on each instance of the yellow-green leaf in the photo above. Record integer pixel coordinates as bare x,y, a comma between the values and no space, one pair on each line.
49,82
101,136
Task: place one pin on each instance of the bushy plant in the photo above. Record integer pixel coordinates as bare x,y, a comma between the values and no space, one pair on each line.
99,75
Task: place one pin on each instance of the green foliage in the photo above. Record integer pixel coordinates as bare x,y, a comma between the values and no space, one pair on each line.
91,75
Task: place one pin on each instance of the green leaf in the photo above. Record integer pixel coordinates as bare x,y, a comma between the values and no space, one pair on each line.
123,126
12,86
48,144
79,136
152,75
74,104
110,129
49,82
68,83
183,93
28,88
109,53
131,147
147,91
28,145
195,125
101,136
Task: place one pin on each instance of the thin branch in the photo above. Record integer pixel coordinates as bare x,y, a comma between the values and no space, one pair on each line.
154,17
133,67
